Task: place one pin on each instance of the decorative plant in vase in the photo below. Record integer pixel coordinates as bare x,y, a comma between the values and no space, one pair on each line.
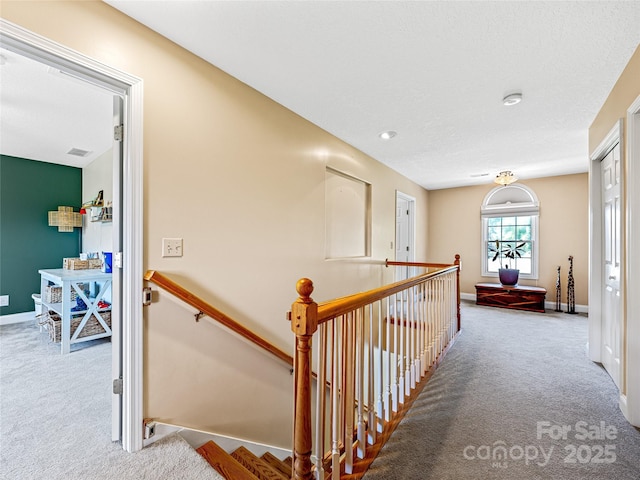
508,251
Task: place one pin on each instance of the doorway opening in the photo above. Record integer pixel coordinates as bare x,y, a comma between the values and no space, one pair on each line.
127,231
405,234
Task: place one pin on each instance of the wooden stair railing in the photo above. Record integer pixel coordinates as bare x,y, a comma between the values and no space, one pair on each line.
356,338
206,309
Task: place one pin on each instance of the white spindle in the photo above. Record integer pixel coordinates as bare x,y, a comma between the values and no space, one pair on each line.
374,381
321,397
349,397
387,367
400,357
413,325
335,403
396,349
360,374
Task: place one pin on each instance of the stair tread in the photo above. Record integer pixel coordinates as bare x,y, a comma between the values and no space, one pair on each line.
223,463
256,465
275,462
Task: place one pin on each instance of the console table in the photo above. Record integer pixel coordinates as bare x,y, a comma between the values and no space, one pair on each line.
74,280
511,296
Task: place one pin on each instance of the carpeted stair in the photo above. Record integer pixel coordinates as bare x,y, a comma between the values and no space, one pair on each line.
241,464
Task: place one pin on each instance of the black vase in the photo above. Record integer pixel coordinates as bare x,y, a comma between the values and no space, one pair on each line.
509,276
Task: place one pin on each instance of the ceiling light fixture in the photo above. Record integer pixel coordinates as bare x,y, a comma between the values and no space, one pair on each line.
388,135
512,99
505,178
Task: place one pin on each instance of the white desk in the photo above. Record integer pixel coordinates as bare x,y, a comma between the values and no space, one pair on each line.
68,280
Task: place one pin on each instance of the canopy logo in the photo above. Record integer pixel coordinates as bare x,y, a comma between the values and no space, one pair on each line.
593,446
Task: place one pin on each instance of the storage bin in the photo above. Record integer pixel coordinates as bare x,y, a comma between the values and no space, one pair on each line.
92,327
53,293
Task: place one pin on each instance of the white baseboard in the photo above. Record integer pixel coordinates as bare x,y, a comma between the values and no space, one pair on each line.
548,305
18,318
196,438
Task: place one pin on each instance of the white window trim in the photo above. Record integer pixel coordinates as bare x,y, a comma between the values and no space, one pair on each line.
492,210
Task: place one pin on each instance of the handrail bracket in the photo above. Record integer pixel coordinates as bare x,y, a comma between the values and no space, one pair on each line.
199,315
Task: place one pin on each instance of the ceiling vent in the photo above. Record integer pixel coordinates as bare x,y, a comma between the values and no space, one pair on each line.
78,152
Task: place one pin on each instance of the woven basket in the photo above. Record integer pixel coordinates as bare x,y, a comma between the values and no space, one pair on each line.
92,327
53,293
77,264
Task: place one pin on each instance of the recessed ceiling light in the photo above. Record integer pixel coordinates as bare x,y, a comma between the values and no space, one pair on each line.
389,134
512,99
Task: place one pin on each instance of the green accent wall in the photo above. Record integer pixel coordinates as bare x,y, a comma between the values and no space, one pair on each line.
28,191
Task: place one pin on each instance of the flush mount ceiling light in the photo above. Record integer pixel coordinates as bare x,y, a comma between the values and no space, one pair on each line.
505,178
512,99
388,135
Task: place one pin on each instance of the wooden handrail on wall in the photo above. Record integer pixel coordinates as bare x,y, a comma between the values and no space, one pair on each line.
397,334
212,312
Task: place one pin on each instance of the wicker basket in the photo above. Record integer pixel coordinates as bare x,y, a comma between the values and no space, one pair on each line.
53,293
77,264
92,327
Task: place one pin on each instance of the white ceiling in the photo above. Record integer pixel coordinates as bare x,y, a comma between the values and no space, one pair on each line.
434,71
45,113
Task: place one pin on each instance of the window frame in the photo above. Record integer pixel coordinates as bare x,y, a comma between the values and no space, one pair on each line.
513,200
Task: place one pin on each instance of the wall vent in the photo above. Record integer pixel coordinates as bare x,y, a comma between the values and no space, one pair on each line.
78,152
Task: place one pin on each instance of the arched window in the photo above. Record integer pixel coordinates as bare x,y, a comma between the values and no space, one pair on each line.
510,216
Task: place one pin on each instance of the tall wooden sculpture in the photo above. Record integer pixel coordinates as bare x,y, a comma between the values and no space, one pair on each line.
558,293
571,289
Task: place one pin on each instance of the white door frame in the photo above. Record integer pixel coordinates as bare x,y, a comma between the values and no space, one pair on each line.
29,44
595,241
411,202
630,396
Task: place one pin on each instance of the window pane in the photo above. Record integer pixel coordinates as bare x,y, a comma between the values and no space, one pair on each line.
494,221
525,250
523,233
493,233
509,233
524,265
508,220
524,220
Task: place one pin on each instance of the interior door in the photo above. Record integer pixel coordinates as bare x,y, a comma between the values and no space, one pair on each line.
404,249
116,284
611,300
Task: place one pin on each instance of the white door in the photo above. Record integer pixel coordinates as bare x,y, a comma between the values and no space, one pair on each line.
404,234
611,300
116,275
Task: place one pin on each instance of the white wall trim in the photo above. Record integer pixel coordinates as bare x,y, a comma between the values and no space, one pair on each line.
630,395
32,45
17,318
595,239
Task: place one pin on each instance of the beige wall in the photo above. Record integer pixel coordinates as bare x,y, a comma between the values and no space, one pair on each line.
455,227
623,94
98,175
241,180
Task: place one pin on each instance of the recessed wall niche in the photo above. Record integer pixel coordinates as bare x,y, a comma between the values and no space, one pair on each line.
347,216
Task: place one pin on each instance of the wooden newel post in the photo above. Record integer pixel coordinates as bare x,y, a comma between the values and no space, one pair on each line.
459,264
304,323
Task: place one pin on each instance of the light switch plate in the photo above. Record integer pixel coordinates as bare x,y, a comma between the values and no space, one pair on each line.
171,247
